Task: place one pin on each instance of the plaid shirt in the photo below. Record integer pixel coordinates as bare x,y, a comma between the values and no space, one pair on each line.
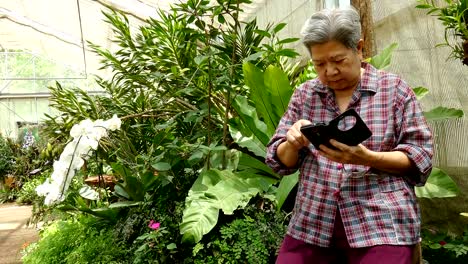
376,207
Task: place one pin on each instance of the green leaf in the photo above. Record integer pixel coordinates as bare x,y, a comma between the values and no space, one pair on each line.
251,142
279,89
200,216
383,59
288,40
255,81
420,92
119,190
443,113
270,92
286,185
287,53
124,204
171,246
249,163
250,122
161,166
438,185
279,27
88,193
221,19
214,190
263,33
423,6
200,59
254,57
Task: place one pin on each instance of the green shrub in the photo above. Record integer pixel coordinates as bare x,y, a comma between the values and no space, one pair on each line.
438,247
27,194
82,240
6,157
253,238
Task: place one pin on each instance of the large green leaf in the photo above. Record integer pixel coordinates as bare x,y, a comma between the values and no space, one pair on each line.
250,124
420,92
285,187
438,185
251,143
279,89
200,216
254,79
383,59
442,113
249,164
270,92
214,190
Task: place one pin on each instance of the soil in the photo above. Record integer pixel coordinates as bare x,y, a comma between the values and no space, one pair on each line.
14,232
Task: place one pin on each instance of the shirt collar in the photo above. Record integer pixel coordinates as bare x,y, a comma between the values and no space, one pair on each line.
368,80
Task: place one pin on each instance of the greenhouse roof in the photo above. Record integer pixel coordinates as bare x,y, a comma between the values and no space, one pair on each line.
59,30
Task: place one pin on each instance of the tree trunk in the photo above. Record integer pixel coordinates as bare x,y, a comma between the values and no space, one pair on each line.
365,11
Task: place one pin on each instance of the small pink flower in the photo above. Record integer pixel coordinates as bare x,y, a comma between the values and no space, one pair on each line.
154,225
442,243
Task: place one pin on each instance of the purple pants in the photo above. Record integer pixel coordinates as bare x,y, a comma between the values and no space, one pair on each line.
294,251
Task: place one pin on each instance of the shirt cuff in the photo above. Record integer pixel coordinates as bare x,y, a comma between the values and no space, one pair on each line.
275,163
421,160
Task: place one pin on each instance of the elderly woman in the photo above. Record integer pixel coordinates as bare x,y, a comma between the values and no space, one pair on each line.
355,204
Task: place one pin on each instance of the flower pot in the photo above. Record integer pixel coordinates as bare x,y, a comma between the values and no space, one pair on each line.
101,181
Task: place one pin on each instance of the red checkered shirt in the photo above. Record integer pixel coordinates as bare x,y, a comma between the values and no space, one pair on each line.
376,207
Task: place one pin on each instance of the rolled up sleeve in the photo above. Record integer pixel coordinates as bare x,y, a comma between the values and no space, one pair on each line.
415,138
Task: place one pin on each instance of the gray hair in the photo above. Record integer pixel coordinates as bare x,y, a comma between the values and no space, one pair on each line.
342,25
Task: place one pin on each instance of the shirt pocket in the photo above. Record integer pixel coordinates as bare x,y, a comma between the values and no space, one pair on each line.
388,183
400,199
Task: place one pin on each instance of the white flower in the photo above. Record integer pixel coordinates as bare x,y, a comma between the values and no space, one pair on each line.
60,166
51,192
86,136
77,130
114,123
100,128
91,143
43,189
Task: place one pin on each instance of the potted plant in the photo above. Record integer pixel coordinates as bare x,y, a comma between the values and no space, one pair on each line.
454,16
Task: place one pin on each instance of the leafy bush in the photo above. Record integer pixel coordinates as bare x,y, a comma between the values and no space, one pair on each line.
83,240
439,247
159,244
6,157
27,194
253,238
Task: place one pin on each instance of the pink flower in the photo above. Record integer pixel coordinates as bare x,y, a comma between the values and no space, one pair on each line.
154,225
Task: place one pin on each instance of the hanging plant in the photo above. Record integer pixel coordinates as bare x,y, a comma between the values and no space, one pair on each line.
454,17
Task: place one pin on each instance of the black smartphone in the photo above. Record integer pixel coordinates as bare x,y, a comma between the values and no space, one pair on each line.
321,133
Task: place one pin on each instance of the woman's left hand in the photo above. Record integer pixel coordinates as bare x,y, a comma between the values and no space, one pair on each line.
359,155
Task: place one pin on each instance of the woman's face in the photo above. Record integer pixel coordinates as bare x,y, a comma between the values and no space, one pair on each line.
337,66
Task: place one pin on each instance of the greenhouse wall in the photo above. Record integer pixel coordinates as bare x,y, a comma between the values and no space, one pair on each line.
294,13
421,63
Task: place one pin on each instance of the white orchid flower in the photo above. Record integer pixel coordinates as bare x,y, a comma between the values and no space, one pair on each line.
86,136
114,123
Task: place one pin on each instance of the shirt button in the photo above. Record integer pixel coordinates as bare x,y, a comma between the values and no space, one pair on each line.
339,166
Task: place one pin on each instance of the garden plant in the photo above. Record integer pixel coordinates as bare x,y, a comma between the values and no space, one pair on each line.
181,128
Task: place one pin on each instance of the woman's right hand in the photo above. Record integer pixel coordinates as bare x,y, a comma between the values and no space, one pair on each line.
294,137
